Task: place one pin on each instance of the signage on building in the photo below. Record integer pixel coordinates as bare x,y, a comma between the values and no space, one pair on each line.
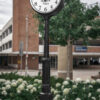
81,48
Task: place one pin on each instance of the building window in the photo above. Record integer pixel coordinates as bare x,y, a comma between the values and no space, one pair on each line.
40,59
0,48
53,61
0,38
40,41
6,45
10,44
3,35
3,47
6,32
10,29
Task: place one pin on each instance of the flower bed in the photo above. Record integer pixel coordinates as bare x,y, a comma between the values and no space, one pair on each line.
15,87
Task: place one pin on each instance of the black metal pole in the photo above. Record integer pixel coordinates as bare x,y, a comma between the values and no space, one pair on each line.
46,93
46,66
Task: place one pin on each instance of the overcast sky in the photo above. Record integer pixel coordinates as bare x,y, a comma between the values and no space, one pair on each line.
6,10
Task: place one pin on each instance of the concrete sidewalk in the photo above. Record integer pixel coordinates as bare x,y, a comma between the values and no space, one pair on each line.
77,73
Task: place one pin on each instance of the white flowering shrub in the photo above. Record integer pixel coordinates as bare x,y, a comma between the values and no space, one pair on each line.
19,90
27,88
77,90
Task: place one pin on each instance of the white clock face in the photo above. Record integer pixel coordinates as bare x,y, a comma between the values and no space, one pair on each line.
45,6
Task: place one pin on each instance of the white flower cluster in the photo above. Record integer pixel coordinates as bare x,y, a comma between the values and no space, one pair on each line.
2,80
38,81
61,90
19,86
31,88
70,87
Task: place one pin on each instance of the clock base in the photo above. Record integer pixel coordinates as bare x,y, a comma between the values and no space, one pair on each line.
46,96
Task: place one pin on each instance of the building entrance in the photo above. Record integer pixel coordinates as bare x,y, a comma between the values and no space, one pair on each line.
86,61
3,61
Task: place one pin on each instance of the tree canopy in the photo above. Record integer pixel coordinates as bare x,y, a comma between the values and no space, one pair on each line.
72,21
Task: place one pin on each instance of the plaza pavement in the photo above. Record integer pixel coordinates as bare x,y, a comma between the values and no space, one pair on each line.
83,73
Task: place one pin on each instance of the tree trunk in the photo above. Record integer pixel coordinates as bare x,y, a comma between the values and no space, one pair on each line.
69,59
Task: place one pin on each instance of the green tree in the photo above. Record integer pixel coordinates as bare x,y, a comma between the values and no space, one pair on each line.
71,24
94,31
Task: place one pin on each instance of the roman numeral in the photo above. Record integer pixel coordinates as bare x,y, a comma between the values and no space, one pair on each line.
56,1
35,3
39,7
45,9
51,6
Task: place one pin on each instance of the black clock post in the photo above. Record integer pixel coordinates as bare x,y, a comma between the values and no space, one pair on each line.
46,90
46,94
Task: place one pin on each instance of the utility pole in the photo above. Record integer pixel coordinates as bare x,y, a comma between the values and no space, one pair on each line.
26,64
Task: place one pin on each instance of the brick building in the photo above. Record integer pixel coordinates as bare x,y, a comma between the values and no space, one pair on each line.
14,33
